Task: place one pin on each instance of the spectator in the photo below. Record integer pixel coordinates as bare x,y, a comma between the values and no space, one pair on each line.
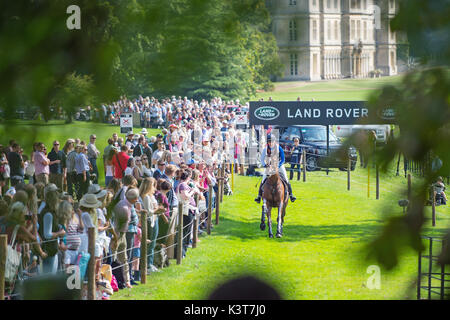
41,164
122,217
67,149
160,169
56,157
49,231
158,153
120,161
146,192
16,165
92,155
82,168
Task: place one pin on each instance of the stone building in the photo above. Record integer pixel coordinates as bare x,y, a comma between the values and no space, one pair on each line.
332,39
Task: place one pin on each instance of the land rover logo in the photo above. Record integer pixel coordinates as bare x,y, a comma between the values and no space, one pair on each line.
267,113
387,114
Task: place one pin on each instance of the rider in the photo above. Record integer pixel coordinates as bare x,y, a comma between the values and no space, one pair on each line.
271,145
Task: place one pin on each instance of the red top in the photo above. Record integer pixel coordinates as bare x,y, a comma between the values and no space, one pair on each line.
122,157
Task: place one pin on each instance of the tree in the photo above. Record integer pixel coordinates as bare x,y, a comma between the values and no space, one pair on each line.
39,51
75,92
421,104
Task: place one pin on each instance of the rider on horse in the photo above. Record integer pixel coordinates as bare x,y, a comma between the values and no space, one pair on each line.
267,153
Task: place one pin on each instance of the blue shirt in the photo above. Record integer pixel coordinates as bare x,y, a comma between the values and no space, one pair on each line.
280,156
81,163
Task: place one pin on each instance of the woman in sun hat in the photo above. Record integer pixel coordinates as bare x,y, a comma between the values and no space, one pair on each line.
88,205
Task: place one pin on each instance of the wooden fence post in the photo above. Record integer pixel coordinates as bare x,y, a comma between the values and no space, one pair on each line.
209,208
195,235
3,250
304,165
222,182
143,262
180,233
349,169
218,201
91,294
378,181
433,208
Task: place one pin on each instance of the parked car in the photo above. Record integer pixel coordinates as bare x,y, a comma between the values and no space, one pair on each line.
382,131
314,140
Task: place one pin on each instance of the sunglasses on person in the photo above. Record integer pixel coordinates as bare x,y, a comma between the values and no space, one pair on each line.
56,144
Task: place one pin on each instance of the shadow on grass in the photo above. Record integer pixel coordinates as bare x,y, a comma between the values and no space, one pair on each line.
292,233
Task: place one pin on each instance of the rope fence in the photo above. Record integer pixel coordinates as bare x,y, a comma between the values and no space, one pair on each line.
186,234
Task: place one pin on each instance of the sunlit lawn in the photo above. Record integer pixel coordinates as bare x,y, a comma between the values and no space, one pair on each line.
321,255
331,90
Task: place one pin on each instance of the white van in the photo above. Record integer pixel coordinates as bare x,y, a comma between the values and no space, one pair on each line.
382,130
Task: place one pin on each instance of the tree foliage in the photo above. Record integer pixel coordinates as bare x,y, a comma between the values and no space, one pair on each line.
421,103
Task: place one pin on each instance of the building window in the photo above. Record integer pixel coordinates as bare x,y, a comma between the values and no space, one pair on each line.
335,4
294,64
336,30
328,4
353,4
358,29
292,2
352,30
364,5
365,30
292,30
328,30
393,60
314,3
315,64
314,29
391,4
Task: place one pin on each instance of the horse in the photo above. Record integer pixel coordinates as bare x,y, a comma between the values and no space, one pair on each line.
274,196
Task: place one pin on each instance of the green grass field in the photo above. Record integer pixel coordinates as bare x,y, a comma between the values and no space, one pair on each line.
322,254
332,90
27,132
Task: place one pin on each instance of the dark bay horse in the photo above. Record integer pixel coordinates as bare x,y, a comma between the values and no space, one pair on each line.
274,195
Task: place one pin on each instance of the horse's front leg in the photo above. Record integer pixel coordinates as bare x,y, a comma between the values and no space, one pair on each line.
280,221
262,226
269,220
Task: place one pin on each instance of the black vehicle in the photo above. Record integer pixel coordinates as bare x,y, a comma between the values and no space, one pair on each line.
314,140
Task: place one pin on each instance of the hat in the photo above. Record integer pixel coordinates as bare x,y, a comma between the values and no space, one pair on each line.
144,131
130,133
136,136
50,187
89,200
159,135
97,191
173,126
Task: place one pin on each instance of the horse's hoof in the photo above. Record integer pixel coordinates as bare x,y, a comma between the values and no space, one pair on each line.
279,235
270,235
262,226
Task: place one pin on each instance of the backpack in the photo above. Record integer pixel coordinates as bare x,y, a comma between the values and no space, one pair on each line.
112,205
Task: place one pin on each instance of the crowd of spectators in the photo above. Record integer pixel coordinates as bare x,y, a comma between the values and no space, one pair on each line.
50,199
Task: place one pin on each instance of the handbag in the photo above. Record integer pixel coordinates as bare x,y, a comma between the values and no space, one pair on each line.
13,258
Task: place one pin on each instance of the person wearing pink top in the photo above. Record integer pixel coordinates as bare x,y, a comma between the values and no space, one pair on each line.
136,253
41,164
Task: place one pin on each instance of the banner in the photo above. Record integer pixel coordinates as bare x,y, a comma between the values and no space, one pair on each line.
126,122
288,113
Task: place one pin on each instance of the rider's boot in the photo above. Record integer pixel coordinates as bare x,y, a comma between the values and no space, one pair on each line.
258,198
291,196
